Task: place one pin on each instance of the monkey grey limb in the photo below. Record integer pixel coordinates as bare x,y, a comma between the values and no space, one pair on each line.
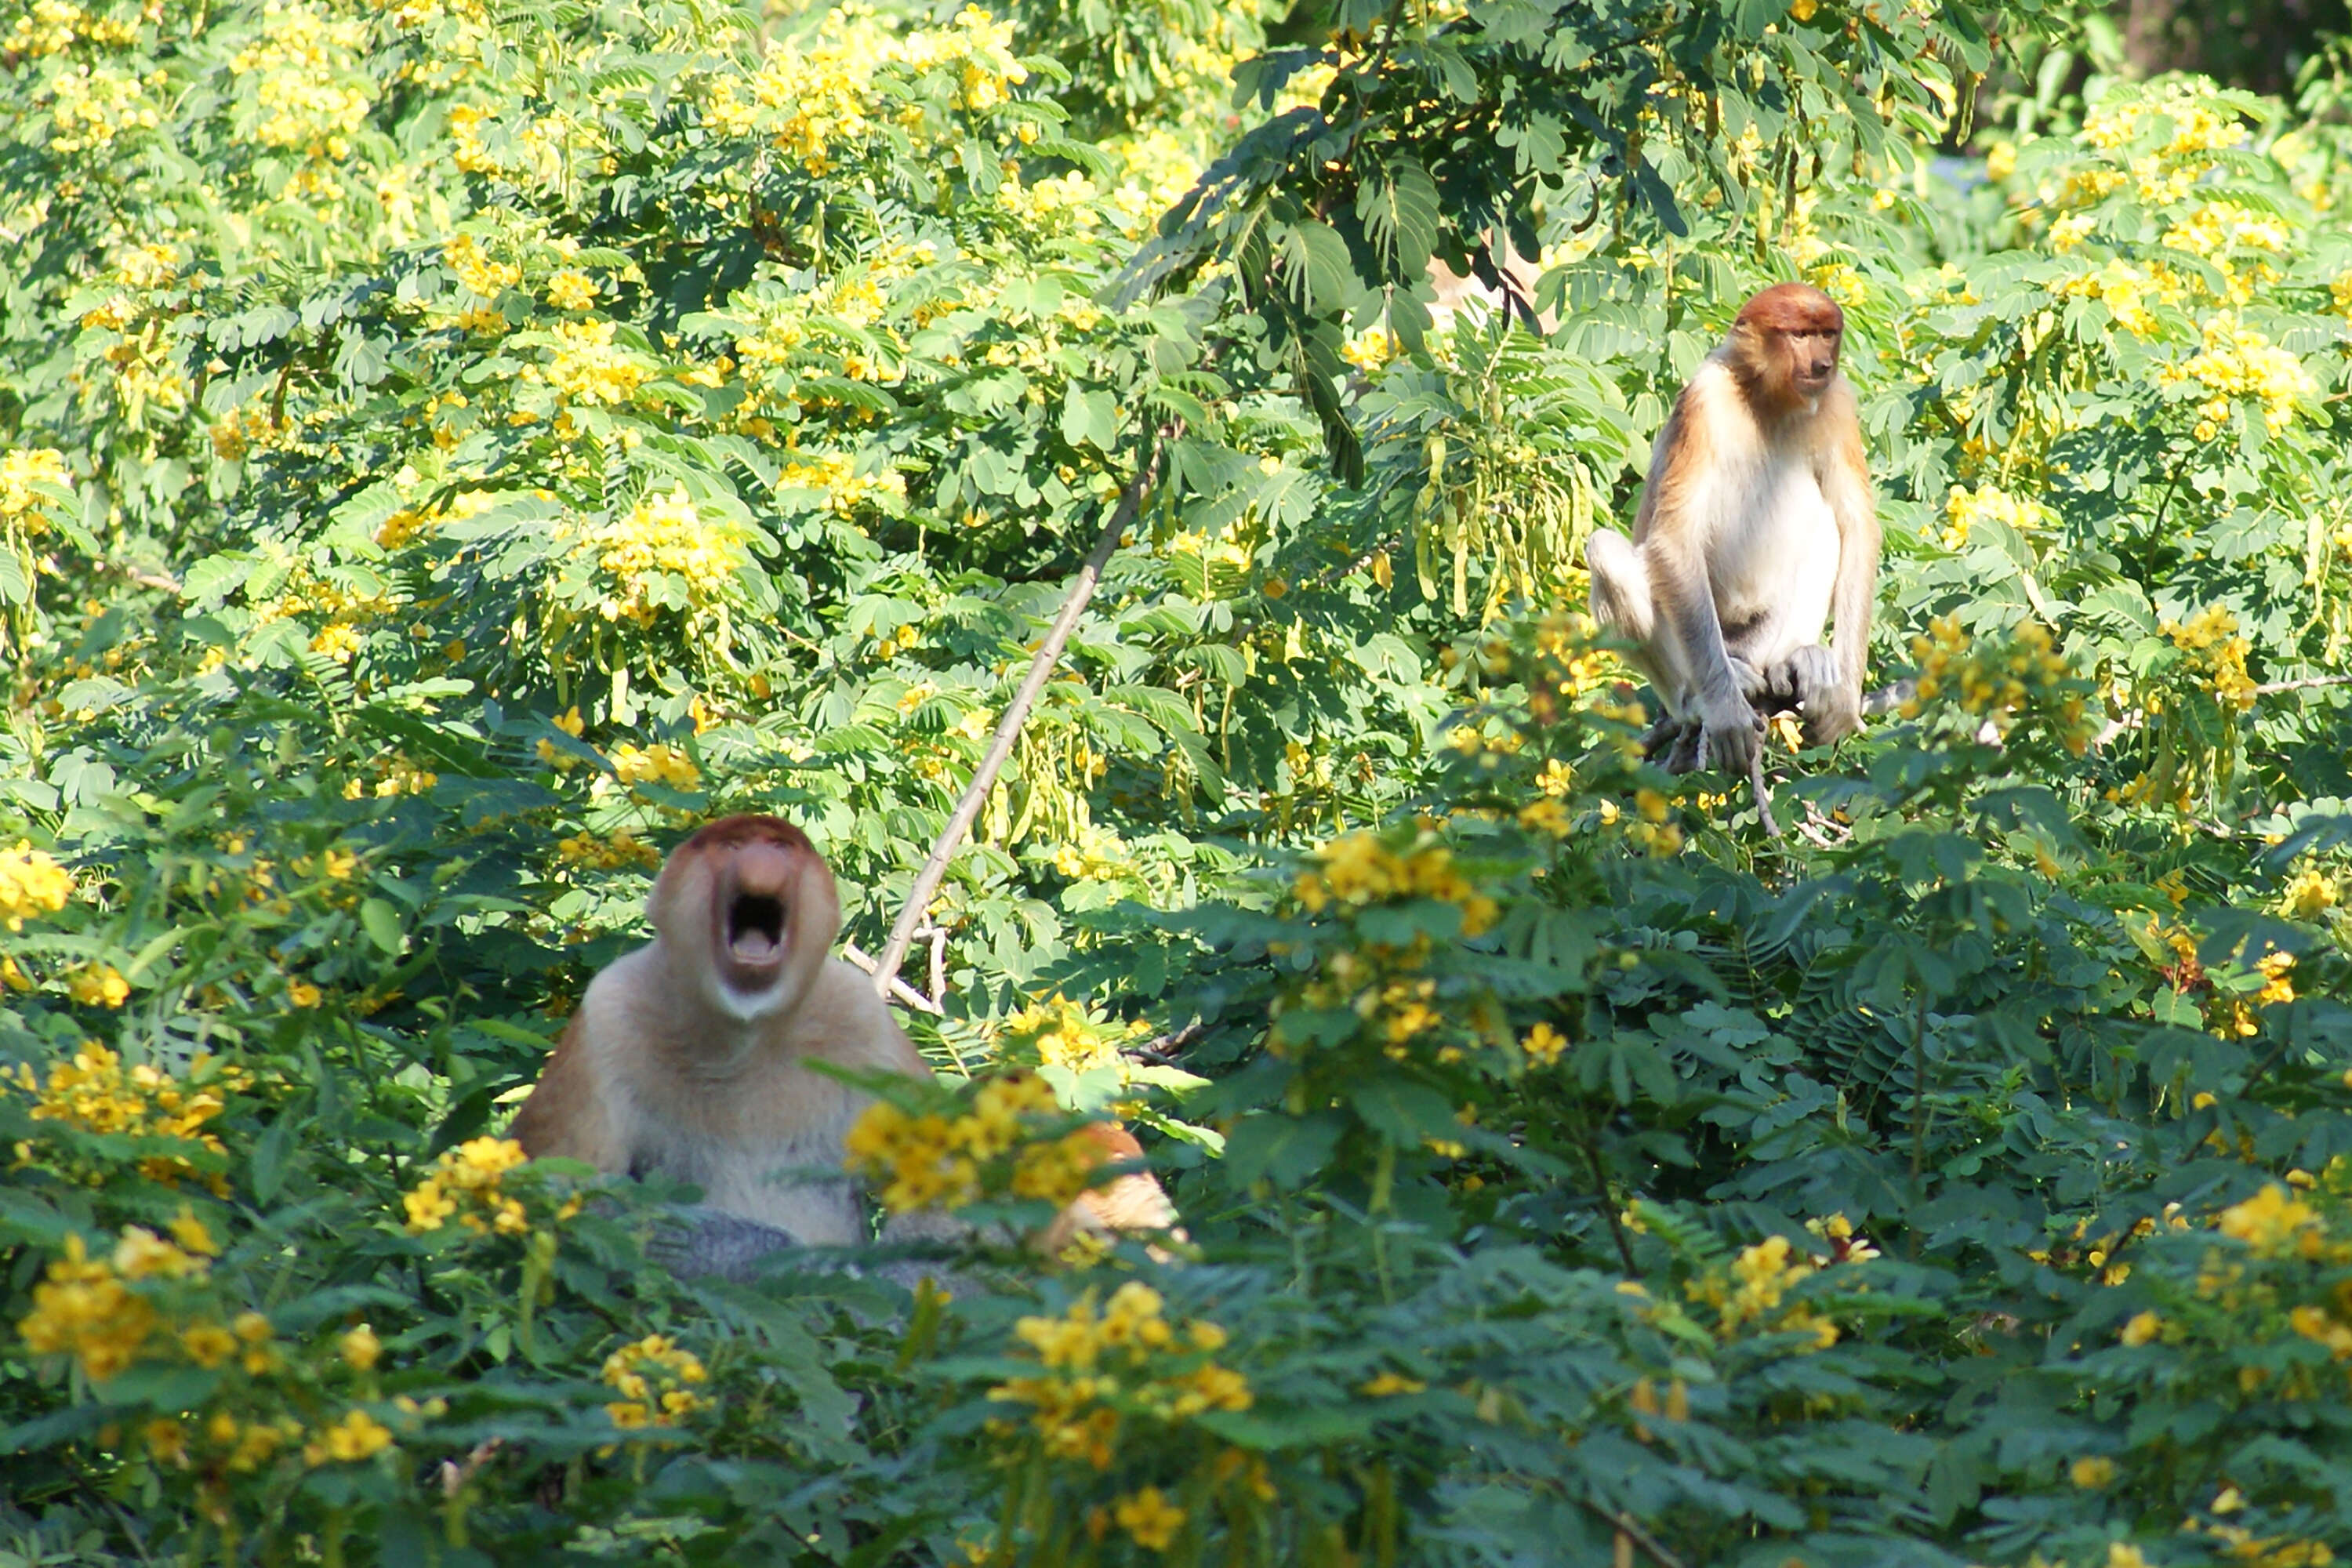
699,1243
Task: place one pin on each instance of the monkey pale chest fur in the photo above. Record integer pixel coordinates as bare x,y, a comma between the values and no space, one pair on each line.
728,1104
1772,542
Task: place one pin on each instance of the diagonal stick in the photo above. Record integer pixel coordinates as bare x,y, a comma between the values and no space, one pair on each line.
1008,729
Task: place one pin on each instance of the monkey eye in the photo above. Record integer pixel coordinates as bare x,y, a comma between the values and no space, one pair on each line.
755,924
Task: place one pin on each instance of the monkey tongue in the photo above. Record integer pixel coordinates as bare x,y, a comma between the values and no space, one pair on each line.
753,947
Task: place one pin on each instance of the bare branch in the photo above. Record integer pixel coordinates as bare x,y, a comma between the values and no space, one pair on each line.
1008,729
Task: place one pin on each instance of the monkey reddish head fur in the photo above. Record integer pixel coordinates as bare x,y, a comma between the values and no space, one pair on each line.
768,902
1784,346
1757,523
690,1057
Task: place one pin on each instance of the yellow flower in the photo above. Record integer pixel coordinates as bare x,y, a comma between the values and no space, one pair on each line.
464,1184
2310,894
84,1309
30,481
1149,1518
1543,1044
360,1348
1389,1382
2273,1223
207,1344
2144,1326
1803,10
666,539
2093,1471
571,289
651,1375
302,993
358,1435
30,884
659,763
98,986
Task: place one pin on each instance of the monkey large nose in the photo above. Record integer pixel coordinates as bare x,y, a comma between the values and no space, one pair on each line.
761,868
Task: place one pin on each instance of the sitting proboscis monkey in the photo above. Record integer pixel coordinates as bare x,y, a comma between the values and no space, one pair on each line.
1756,524
690,1059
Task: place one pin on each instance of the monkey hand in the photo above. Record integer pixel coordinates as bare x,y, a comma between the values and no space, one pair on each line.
1729,735
1832,717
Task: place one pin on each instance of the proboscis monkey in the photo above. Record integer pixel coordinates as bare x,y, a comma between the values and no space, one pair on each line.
1756,525
688,1059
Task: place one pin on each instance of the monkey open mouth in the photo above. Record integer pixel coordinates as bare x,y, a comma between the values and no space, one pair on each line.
755,929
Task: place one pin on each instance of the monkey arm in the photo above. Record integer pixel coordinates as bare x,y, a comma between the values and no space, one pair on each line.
1854,597
1688,637
570,1113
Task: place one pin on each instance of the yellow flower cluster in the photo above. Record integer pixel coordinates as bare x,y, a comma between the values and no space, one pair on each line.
310,91
98,986
1965,509
934,1161
2310,893
1370,349
587,367
1060,1033
1995,683
89,108
2274,1223
28,475
31,884
1752,1290
2173,127
1156,170
652,1377
95,1093
571,723
467,1185
358,1435
660,763
2239,362
1099,855
834,475
666,547
2212,229
570,288
1359,870
85,1308
819,103
2216,651
1101,1368
813,103
53,27
474,269
623,851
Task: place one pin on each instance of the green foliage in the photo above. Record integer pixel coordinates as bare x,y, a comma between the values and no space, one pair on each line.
450,451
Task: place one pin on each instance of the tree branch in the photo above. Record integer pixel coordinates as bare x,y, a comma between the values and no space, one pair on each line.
1008,729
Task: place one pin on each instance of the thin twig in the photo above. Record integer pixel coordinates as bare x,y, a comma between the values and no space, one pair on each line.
2309,682
1008,729
1633,1531
1158,1047
900,990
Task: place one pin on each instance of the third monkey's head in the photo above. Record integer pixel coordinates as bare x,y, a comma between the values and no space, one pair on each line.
1785,342
749,908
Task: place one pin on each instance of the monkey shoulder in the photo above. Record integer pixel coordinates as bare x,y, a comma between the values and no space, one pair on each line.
850,1025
